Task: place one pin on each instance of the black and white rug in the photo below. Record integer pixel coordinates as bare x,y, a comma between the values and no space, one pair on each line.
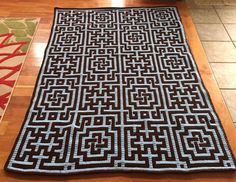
119,91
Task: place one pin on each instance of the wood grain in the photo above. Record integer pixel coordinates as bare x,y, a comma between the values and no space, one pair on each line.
21,97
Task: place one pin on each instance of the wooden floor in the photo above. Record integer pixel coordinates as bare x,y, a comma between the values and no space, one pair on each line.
20,100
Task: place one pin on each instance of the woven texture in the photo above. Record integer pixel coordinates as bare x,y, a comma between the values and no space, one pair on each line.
119,90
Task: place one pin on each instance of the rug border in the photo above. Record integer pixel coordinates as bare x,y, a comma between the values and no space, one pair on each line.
124,169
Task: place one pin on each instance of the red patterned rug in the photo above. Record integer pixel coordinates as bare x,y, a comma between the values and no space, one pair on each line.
16,35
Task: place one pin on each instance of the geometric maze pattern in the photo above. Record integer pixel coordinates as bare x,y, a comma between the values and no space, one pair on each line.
119,90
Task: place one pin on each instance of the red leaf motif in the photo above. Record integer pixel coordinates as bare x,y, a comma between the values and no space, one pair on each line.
4,99
7,52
